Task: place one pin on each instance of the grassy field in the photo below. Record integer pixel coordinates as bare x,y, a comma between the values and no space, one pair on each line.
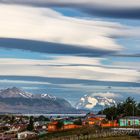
90,130
119,138
84,130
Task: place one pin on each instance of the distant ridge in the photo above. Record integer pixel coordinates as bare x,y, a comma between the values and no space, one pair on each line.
15,92
15,100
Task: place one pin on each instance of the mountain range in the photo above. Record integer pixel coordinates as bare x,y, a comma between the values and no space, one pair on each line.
15,100
94,103
18,93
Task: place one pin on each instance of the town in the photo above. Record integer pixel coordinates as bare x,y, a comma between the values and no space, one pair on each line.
23,127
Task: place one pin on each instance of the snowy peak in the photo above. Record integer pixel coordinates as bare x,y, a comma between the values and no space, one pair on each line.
14,92
94,102
48,96
104,101
90,102
18,93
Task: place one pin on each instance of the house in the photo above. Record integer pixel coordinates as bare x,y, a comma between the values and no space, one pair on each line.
40,123
4,137
109,124
92,119
3,128
101,117
129,121
66,122
70,126
52,126
10,134
18,127
27,135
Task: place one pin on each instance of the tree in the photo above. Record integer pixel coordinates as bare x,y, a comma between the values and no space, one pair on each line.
60,124
30,126
12,120
111,112
127,108
78,122
43,118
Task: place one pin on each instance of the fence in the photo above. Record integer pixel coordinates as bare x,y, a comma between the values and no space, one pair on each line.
103,134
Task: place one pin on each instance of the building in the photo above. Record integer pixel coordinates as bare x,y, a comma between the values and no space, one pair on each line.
92,119
10,133
27,135
40,123
110,124
67,124
4,137
18,127
129,121
52,126
71,126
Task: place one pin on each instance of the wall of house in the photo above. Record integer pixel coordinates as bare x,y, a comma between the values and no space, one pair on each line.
52,127
110,125
129,122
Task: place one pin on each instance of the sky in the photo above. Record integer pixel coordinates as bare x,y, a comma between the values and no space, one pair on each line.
71,48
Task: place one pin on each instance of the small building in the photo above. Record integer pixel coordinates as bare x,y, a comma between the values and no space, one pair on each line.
109,124
27,135
92,119
52,126
4,137
129,121
10,133
67,122
4,128
40,123
101,117
71,126
18,127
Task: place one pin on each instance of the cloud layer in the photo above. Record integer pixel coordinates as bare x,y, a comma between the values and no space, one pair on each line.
42,25
45,30
113,8
48,68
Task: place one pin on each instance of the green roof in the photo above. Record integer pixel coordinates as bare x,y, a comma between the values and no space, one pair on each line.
67,122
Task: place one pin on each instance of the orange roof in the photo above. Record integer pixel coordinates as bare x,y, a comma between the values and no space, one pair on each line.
53,123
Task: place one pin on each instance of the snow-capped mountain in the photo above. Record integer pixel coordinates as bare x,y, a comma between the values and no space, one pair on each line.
47,96
14,100
95,103
16,92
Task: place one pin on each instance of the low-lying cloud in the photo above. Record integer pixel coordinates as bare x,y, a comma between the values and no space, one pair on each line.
107,94
20,67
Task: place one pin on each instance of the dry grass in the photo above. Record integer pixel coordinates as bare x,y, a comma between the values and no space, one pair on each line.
118,138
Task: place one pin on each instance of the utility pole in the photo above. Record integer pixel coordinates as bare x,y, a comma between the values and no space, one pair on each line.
133,118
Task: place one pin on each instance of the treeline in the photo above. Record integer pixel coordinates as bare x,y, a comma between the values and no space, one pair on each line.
129,107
